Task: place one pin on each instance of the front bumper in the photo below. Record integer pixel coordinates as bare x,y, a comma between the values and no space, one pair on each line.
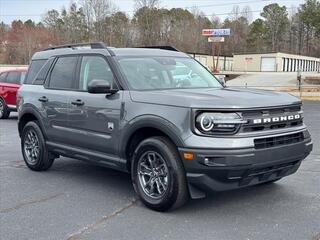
226,169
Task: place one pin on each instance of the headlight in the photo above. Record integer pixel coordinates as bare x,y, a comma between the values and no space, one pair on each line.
218,123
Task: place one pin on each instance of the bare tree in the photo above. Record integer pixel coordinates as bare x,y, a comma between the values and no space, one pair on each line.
246,12
147,3
96,12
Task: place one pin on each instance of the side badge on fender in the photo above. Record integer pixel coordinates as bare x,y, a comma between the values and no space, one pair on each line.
110,126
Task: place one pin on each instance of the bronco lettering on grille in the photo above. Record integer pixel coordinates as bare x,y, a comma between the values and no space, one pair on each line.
277,119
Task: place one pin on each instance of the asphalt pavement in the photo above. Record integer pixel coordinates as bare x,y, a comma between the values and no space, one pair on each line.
76,200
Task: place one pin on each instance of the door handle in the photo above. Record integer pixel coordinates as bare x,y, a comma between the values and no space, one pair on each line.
78,102
43,99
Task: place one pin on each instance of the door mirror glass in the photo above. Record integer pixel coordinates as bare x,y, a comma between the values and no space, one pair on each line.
100,86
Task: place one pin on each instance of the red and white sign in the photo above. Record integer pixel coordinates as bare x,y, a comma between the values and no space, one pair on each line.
248,59
207,32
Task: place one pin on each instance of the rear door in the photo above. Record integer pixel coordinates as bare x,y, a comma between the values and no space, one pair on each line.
55,98
94,118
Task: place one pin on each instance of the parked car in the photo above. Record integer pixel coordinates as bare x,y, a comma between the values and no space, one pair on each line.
10,82
178,136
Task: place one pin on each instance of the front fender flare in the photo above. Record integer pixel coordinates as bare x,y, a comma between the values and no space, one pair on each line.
151,121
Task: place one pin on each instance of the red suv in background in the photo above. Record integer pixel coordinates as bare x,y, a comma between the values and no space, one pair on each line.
10,82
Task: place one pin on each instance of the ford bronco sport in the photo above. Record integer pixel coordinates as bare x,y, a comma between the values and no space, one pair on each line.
179,135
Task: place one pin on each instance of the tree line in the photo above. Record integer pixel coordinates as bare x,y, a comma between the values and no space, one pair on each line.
294,30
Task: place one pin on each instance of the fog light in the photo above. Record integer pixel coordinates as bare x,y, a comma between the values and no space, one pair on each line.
214,161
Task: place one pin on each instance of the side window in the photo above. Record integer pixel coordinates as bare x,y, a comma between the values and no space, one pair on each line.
94,68
41,76
33,70
62,74
14,77
3,77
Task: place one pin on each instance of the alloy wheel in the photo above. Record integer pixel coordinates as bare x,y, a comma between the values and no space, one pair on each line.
153,174
31,147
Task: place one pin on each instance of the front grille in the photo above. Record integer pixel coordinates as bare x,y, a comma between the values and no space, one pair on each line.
263,127
270,113
270,142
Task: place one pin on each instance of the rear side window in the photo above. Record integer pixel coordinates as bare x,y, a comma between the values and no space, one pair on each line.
62,74
34,69
14,77
3,77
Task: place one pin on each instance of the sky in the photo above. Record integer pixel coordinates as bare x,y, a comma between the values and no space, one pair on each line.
35,9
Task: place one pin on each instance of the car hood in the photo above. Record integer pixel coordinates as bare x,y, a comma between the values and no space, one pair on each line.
215,98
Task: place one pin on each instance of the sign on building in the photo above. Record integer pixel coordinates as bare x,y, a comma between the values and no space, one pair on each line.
215,39
216,32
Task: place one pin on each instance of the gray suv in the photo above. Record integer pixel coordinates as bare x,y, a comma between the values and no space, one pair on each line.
160,116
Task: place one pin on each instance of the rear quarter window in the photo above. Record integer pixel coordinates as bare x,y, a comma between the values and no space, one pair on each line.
34,69
3,77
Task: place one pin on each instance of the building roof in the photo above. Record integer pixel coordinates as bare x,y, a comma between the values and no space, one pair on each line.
265,53
207,54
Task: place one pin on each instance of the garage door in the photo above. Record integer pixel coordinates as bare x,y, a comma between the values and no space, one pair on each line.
268,64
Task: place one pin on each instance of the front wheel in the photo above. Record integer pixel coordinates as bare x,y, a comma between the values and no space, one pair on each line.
158,175
34,150
4,111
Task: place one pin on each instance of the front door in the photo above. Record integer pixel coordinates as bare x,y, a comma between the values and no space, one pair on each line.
94,118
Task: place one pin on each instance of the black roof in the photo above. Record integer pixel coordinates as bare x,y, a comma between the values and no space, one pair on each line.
99,48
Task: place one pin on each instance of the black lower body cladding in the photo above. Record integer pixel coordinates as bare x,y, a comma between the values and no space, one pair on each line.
220,170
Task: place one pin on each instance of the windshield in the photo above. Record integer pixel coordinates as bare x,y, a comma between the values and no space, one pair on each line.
148,73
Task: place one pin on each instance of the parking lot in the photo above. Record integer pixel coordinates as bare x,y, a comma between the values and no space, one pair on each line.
75,200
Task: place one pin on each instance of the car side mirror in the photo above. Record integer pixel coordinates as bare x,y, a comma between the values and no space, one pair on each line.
97,86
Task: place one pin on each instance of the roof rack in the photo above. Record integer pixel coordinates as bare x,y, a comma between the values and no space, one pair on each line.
94,45
170,48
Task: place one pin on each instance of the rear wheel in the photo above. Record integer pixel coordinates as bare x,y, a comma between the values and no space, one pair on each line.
158,175
4,111
34,150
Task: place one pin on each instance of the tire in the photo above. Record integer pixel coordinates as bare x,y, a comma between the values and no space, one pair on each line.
159,161
4,111
34,149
